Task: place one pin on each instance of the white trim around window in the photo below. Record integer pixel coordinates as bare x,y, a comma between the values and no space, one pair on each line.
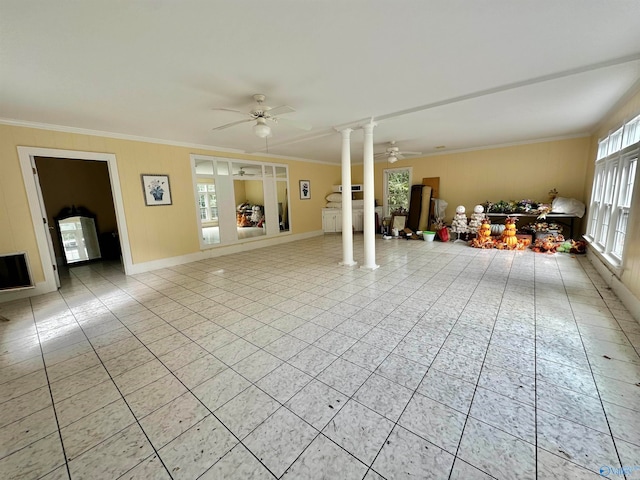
615,184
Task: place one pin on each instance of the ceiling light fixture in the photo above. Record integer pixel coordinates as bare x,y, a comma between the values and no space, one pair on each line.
392,159
261,129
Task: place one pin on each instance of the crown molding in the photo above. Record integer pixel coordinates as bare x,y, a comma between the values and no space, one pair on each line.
159,141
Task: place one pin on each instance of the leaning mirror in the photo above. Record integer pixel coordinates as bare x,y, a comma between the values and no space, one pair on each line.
78,235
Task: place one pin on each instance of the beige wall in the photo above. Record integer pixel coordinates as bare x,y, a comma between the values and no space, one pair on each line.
239,192
628,110
154,232
506,173
306,215
254,192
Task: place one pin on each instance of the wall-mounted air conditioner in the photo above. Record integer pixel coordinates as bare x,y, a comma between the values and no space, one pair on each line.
354,188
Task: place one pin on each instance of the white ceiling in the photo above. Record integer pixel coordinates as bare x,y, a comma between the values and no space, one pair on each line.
464,74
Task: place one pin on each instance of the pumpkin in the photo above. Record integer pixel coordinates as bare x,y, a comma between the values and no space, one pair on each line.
485,228
509,233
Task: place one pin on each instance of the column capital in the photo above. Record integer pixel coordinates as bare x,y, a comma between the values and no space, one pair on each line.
346,132
368,127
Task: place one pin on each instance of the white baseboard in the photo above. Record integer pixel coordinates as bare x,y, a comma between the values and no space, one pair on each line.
220,251
17,294
628,299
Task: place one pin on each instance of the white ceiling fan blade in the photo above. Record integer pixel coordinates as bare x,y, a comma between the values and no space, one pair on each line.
411,153
222,127
380,155
292,123
229,110
281,110
399,156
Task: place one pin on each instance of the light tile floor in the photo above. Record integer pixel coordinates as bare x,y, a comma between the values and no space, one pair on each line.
446,362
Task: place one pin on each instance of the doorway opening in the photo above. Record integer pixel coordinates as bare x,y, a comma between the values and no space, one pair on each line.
44,210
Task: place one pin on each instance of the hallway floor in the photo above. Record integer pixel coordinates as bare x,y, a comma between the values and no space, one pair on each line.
447,362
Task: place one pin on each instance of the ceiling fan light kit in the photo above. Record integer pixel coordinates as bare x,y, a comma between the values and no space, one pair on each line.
261,129
393,153
261,113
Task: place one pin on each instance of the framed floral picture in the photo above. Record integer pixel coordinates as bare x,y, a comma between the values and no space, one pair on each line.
305,189
156,189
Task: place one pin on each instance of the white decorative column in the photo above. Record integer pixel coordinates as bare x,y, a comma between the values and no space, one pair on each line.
347,212
369,199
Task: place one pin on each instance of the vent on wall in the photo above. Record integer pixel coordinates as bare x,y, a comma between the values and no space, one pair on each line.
14,271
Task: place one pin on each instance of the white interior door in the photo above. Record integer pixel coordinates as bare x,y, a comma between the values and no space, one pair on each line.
47,228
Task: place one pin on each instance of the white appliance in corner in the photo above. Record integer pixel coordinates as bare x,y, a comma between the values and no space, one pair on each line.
354,188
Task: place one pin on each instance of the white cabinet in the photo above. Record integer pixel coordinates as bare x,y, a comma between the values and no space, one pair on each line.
331,220
358,220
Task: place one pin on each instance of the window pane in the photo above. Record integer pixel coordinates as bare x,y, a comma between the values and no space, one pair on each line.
615,141
629,180
631,132
604,229
612,180
223,168
621,231
602,148
594,219
397,190
598,183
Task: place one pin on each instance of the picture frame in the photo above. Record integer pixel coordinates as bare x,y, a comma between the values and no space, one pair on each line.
398,222
156,189
305,189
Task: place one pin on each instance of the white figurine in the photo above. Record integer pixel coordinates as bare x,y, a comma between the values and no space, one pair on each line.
476,218
459,223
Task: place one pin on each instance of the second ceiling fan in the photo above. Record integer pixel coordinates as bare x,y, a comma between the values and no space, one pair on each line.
393,153
261,114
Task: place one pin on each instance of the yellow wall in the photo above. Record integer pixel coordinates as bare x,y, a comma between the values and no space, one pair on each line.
154,232
239,192
306,214
506,173
630,276
254,192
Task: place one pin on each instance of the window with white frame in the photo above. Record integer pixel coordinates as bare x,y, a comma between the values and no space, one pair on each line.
397,185
207,202
612,192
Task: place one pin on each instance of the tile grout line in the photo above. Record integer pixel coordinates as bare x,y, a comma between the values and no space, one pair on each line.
354,279
615,447
396,423
53,405
356,391
482,367
535,365
137,421
350,397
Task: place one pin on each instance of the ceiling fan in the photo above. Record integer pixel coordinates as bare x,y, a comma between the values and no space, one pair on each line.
242,173
393,153
261,113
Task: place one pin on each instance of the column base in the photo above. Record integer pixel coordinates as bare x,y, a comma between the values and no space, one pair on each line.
347,264
369,267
